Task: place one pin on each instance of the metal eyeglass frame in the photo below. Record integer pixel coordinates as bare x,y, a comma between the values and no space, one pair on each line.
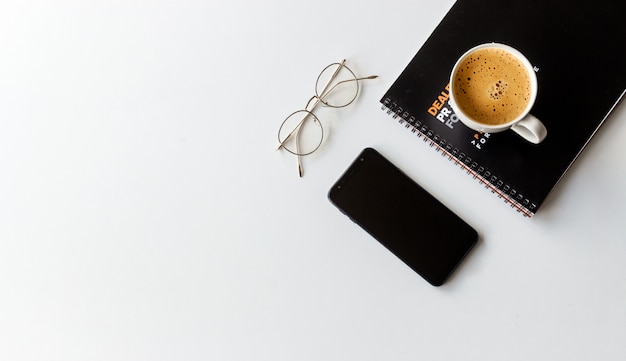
313,102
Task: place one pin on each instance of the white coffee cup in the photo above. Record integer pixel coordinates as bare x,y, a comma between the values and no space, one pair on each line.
505,81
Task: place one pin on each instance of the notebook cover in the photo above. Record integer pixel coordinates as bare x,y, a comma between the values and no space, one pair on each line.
578,49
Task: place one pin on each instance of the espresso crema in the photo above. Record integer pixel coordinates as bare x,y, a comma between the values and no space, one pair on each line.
492,86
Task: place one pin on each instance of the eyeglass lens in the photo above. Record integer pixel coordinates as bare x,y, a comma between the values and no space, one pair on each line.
301,133
336,86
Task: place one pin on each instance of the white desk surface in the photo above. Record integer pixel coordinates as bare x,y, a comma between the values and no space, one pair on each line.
144,214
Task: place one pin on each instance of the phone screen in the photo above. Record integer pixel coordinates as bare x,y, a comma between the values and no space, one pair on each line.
403,217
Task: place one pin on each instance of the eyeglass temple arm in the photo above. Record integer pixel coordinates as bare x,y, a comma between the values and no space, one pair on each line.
298,156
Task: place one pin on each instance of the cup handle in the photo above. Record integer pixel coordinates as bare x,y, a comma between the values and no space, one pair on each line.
531,129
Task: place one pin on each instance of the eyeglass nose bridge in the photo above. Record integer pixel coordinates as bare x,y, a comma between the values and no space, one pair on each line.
316,101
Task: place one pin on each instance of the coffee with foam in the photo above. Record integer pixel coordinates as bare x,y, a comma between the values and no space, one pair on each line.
492,86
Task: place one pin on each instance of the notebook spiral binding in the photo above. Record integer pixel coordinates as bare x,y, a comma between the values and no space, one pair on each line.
490,181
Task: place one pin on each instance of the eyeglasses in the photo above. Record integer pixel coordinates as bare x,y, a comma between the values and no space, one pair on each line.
301,133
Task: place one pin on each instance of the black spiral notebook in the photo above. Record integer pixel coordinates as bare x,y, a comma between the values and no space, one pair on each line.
578,49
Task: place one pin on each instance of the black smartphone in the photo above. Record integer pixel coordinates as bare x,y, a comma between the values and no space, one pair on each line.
402,216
